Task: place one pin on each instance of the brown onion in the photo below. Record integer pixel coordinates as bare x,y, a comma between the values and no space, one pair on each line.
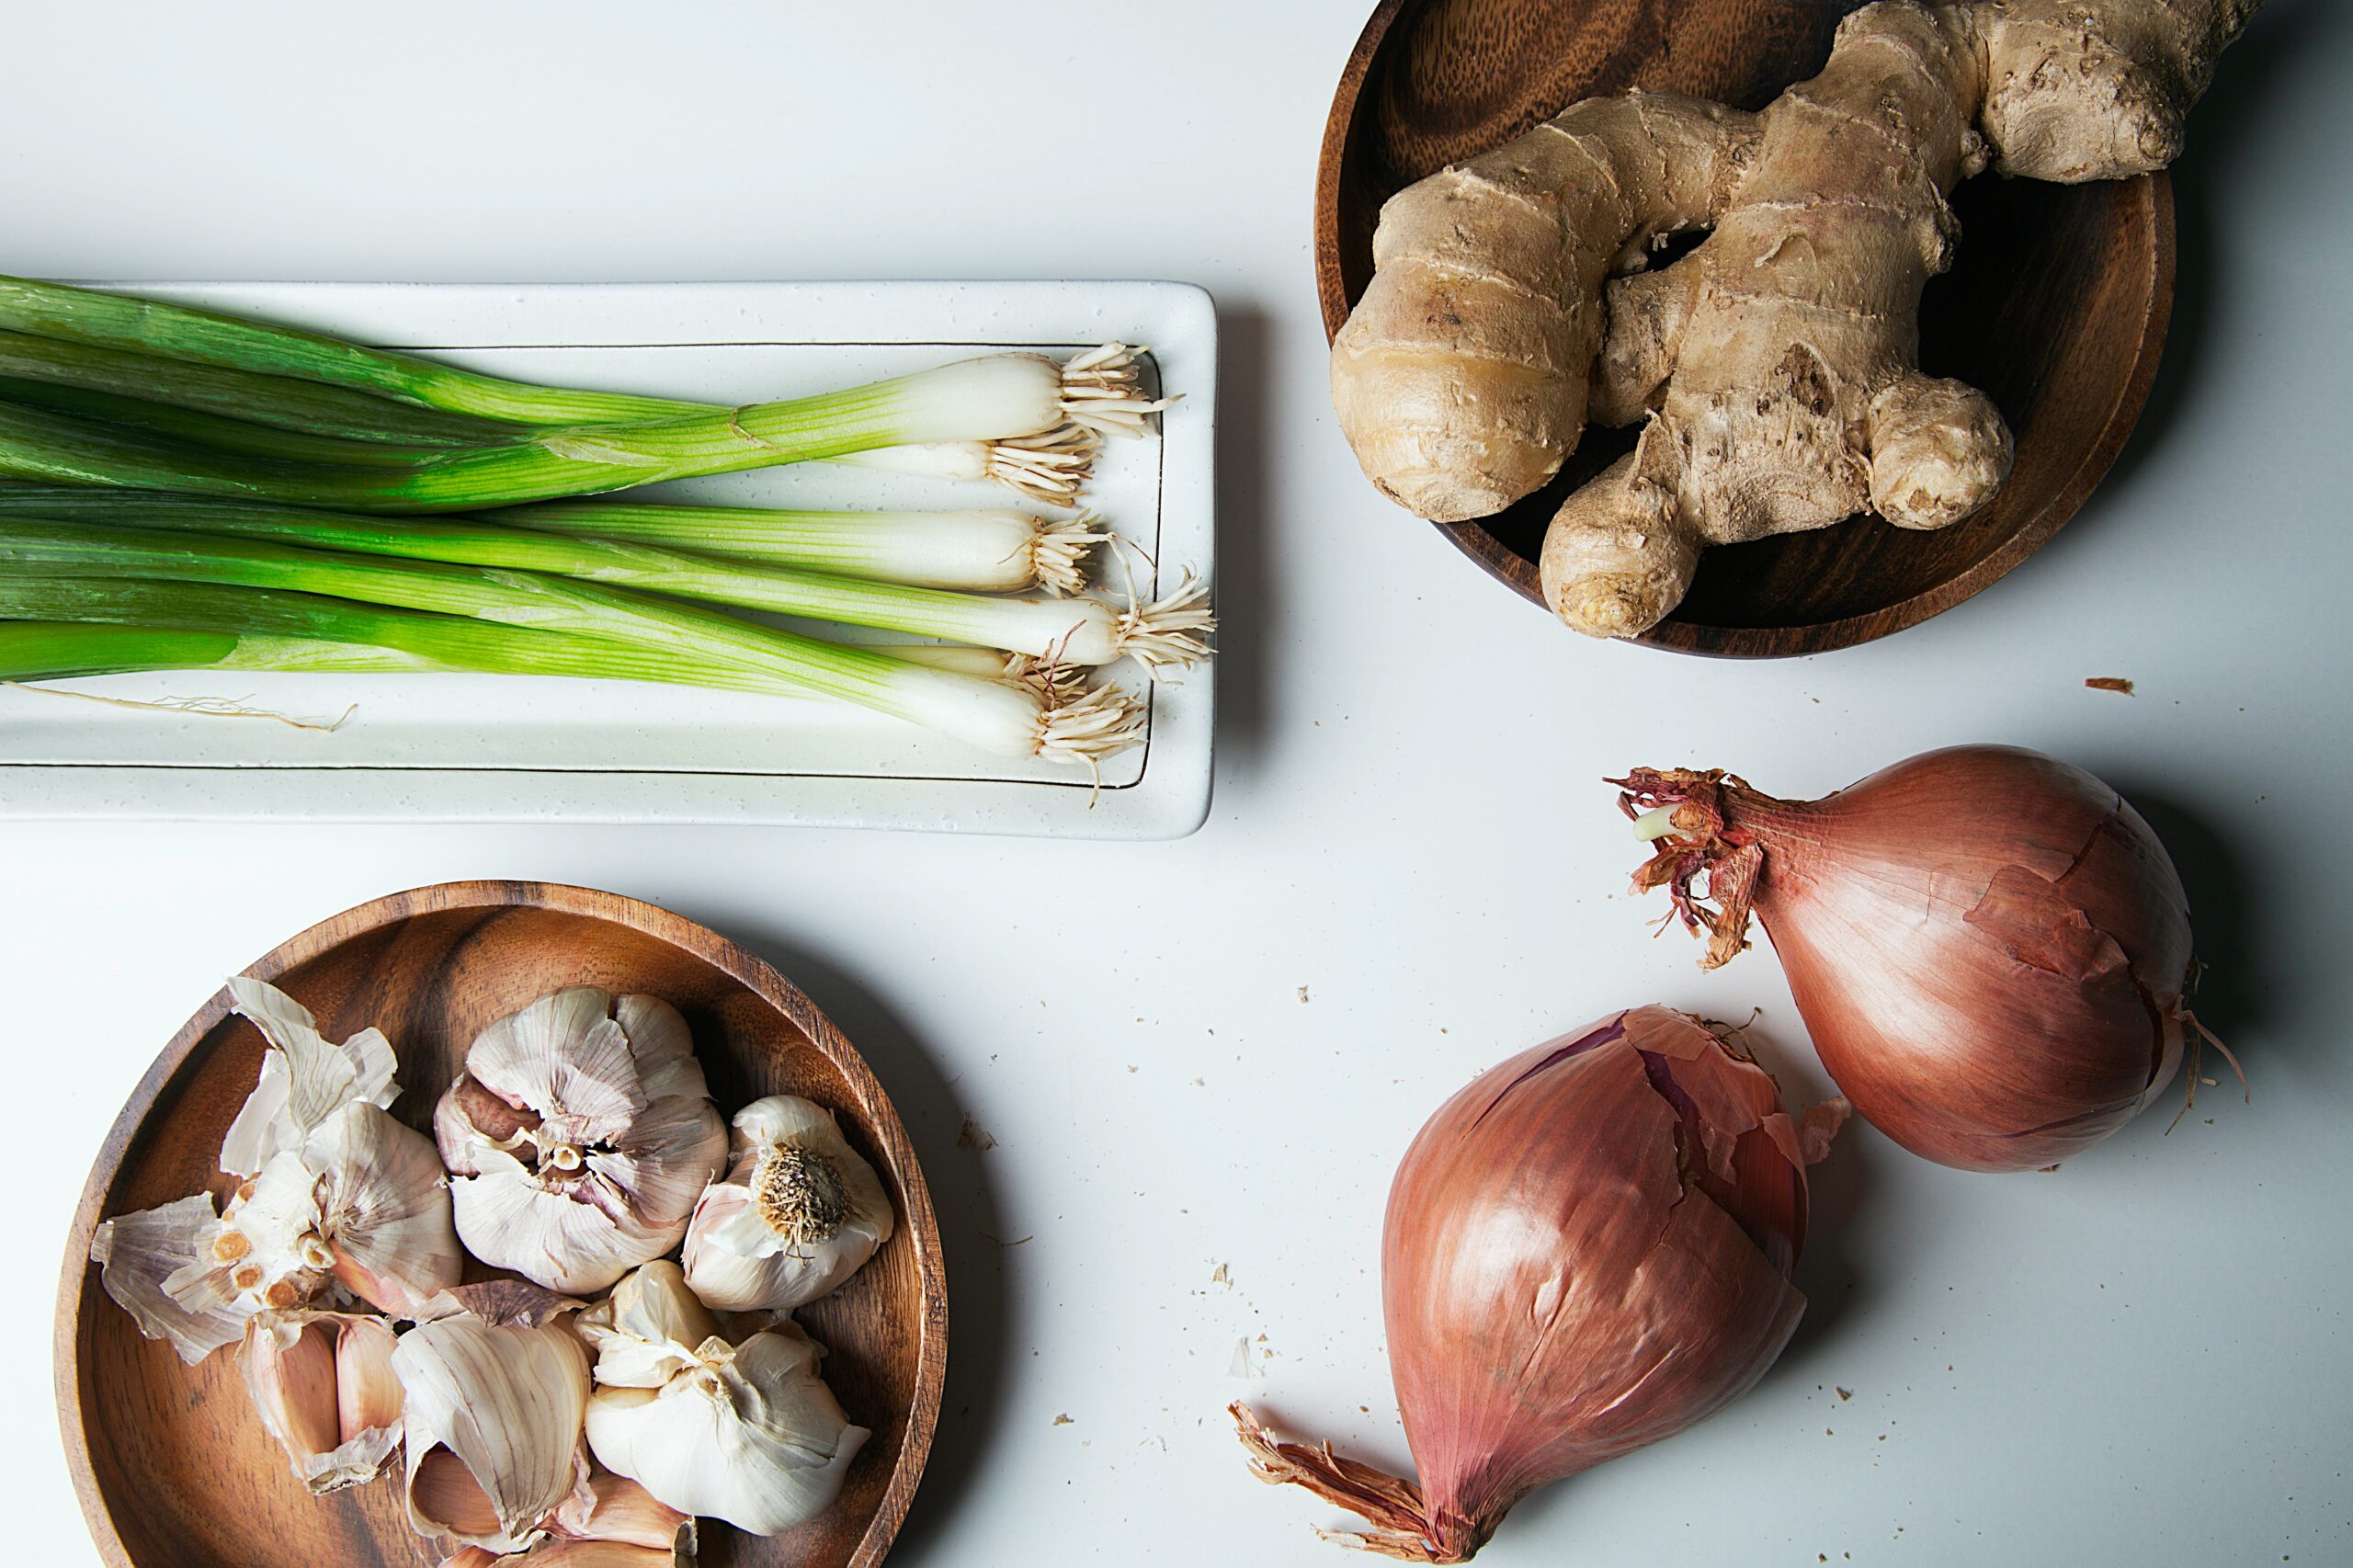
1989,946
1588,1249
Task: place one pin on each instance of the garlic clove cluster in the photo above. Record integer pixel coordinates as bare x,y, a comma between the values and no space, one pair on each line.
335,1190
495,1391
744,1431
323,1383
579,1137
799,1213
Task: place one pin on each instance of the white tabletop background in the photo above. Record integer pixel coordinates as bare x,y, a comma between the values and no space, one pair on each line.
2144,1357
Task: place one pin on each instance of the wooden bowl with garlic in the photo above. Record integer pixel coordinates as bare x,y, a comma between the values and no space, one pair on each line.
722,1296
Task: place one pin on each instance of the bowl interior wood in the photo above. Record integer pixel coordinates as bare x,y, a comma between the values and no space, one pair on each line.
172,1464
2056,306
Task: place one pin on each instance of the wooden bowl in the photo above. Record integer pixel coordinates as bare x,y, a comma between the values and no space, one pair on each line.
171,1465
2056,308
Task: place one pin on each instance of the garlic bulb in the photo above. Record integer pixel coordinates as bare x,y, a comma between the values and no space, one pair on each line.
495,1395
323,1386
799,1213
744,1432
304,1080
579,1138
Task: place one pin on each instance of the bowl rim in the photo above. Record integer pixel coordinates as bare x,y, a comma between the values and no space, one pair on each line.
755,973
1675,635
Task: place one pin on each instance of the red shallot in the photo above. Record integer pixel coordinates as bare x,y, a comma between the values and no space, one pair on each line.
1588,1249
1989,946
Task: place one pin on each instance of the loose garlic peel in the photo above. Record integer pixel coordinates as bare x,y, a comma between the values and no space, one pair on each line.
494,1417
304,1080
799,1213
579,1137
322,1384
745,1432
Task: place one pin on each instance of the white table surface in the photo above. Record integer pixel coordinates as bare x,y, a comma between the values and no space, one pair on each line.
2142,1359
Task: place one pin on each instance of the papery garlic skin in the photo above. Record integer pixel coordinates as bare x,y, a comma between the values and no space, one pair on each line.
799,1213
304,1079
495,1410
579,1137
747,1433
137,1253
323,1385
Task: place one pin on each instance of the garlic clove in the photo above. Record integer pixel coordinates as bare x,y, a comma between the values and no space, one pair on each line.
564,1055
137,1253
367,1393
799,1212
613,1508
664,1046
322,1383
648,1329
750,1435
579,1138
304,1079
384,1209
494,1413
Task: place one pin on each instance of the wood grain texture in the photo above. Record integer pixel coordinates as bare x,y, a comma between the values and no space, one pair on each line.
171,1464
2056,308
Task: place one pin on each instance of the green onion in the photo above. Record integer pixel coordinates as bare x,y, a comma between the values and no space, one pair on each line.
1003,395
206,625
1165,633
997,715
45,649
983,551
206,338
993,551
213,430
245,395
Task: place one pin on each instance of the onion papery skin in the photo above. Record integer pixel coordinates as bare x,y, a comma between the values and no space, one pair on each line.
1587,1250
1989,946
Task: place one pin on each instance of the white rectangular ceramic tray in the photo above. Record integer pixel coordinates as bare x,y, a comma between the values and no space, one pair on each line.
476,748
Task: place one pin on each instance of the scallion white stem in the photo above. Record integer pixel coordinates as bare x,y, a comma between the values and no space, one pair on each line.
1052,468
995,550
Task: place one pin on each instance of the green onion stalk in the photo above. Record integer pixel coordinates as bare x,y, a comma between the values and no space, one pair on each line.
58,628
1003,395
1006,717
1046,455
1165,633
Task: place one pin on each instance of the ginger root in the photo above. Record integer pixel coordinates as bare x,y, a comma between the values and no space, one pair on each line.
1775,367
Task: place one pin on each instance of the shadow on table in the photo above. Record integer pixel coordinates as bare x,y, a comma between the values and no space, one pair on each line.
2253,84
974,1261
1246,585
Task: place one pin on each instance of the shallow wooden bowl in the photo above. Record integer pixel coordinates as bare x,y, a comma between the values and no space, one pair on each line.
2056,308
173,1467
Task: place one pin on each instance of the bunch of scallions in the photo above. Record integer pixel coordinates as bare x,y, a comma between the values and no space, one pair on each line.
184,490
